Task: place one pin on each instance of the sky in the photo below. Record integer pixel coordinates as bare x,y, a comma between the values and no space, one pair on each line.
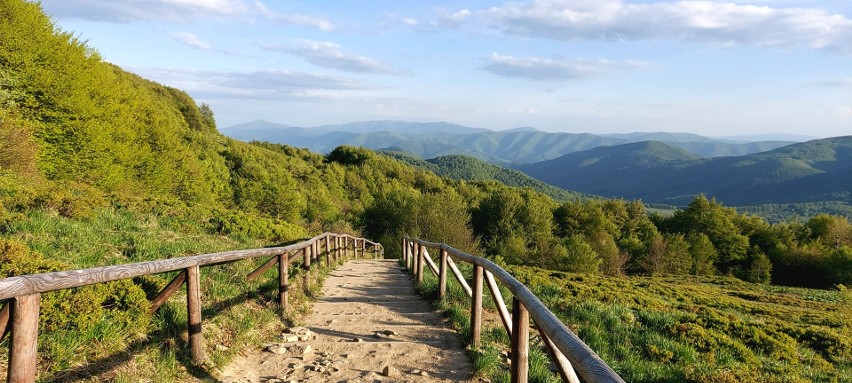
601,66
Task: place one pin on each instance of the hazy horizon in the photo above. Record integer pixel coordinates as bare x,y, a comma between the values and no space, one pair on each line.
610,66
759,136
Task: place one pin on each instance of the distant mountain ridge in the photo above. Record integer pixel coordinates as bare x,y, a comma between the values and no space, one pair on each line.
472,169
813,171
515,146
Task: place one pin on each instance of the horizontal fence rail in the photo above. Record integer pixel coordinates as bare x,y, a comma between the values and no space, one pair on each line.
570,355
19,315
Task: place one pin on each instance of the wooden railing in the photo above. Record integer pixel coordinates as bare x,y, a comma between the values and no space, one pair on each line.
571,356
20,314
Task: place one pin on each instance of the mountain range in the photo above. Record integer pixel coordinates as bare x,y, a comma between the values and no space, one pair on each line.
813,171
514,146
774,178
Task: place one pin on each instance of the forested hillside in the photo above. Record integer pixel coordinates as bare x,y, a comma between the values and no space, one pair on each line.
471,169
812,172
99,166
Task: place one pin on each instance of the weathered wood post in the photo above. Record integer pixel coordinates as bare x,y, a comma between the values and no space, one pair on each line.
404,250
315,254
306,266
498,301
193,309
22,348
476,307
420,254
409,261
336,248
327,251
283,281
520,342
442,275
355,248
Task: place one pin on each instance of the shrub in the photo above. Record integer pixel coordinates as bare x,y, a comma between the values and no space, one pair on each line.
121,303
72,199
229,222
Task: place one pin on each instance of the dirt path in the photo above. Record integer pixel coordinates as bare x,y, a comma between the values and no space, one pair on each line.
369,326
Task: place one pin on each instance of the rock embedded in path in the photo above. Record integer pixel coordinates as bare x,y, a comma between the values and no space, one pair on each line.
294,334
277,348
389,371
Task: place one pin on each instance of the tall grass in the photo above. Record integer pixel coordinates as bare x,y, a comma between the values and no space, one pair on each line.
708,329
236,314
489,360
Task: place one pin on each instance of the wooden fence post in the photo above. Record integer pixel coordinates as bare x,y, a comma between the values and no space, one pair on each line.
193,309
520,342
409,261
315,254
476,308
306,266
327,251
420,255
283,281
498,301
414,249
442,276
24,342
404,250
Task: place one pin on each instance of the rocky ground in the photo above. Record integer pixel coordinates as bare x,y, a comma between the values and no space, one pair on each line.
369,326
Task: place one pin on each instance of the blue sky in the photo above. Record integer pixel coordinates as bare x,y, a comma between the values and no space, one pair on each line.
601,66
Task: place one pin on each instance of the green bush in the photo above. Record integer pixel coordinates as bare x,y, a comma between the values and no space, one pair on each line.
121,302
229,222
72,199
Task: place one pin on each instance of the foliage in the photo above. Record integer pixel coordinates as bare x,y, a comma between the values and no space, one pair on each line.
706,329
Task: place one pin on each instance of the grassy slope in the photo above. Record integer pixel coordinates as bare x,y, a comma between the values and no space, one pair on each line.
236,313
712,329
676,329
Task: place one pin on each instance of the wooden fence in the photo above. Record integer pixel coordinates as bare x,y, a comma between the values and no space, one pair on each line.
19,316
571,356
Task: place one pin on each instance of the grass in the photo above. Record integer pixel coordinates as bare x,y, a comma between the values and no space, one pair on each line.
490,359
236,314
711,329
675,329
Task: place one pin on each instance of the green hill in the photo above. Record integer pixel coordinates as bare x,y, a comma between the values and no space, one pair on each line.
817,171
471,169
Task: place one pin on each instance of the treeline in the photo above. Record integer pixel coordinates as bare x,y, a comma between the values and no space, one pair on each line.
617,237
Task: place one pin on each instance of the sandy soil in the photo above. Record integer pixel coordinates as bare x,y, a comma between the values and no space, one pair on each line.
369,326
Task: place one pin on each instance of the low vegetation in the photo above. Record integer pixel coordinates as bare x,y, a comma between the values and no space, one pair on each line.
667,329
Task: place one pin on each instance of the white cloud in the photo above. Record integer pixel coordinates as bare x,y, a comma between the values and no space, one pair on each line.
127,11
451,19
262,85
294,19
142,10
691,21
190,39
536,68
837,83
410,21
329,55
